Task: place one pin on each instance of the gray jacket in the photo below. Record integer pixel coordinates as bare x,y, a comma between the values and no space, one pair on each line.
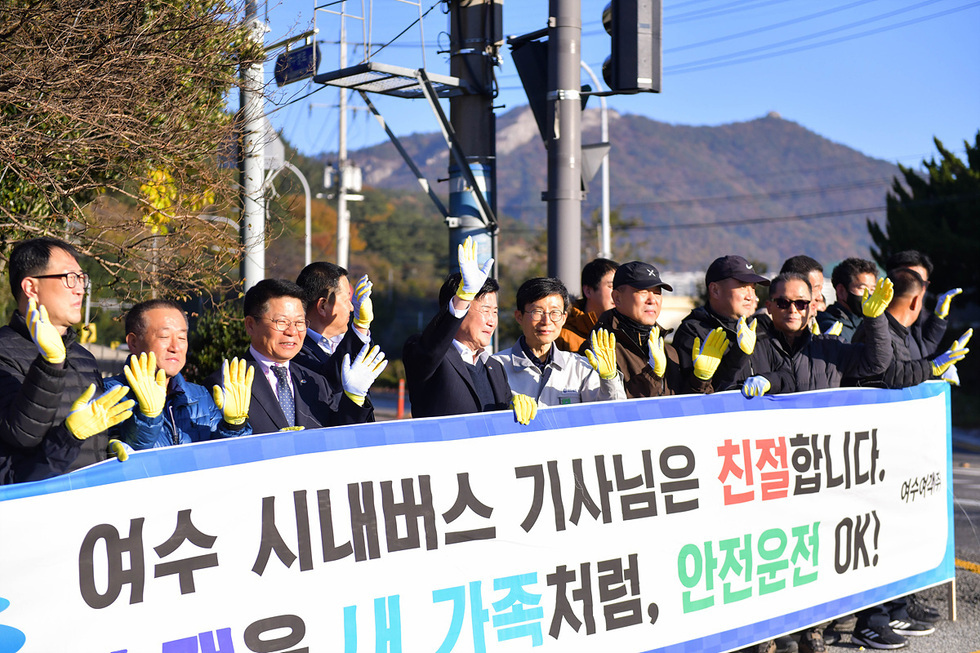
567,379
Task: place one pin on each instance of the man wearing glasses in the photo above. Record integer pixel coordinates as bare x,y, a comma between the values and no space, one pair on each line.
289,396
539,369
53,414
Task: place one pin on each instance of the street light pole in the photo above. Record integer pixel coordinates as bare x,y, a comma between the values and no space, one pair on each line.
605,240
253,214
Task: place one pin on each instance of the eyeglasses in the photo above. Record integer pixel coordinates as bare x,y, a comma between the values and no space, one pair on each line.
784,304
282,323
539,313
67,278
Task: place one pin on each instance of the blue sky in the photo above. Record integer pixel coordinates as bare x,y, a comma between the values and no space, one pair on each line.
880,76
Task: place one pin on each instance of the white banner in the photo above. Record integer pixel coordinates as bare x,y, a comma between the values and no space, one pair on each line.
678,524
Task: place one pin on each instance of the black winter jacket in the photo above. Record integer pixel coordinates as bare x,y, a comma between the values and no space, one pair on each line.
905,369
823,361
35,399
837,312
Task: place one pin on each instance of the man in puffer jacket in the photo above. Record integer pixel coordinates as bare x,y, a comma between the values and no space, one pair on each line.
171,409
50,421
822,361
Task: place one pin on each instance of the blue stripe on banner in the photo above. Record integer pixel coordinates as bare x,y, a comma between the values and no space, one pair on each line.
237,451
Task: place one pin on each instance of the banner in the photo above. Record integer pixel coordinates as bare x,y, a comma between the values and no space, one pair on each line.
694,523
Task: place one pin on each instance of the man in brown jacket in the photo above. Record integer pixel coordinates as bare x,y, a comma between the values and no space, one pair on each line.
597,285
650,368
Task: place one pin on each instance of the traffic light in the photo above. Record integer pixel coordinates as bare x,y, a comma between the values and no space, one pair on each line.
634,63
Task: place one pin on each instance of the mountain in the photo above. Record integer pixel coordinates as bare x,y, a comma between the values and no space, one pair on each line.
766,189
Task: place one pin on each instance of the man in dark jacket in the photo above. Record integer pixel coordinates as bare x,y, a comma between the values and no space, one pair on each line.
44,371
651,368
822,361
448,366
172,410
905,369
730,282
290,396
340,318
850,278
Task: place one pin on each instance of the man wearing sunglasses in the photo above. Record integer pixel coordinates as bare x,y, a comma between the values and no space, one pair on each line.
823,361
53,414
286,396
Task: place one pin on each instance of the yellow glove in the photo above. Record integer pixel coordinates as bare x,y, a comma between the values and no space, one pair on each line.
363,306
88,416
656,352
357,378
119,450
45,336
150,389
234,394
836,329
87,333
955,353
815,328
875,303
292,428
942,302
603,360
708,357
473,276
525,408
745,334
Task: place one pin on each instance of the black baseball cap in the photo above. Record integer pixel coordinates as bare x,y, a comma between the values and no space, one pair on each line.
639,275
733,267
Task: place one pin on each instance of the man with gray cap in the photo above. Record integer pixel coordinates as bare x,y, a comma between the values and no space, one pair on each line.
730,282
651,368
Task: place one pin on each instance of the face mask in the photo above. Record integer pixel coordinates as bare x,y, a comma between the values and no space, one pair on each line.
854,303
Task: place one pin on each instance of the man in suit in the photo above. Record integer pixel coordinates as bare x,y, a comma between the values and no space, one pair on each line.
330,303
290,396
448,367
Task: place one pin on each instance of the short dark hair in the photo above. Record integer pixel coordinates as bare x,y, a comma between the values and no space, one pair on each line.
451,284
847,271
320,279
907,283
136,317
783,277
909,258
258,296
30,257
595,270
801,264
540,287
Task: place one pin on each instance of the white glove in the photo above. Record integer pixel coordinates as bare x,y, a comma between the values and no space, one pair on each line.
473,275
942,302
363,306
358,377
756,386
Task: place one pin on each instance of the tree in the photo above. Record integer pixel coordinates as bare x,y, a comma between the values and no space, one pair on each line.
121,99
937,212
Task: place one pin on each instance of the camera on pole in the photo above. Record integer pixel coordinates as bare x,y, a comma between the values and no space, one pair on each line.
634,63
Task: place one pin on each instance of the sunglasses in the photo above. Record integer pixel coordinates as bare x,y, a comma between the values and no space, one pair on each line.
784,304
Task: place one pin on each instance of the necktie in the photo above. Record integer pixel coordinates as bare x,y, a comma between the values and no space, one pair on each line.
284,394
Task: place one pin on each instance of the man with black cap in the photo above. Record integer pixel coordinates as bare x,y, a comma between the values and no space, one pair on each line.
650,368
730,281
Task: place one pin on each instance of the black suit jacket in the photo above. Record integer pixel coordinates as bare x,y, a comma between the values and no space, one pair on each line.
439,382
312,357
316,405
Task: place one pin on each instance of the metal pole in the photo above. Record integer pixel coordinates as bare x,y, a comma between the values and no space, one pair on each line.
253,215
605,245
306,190
472,26
564,143
343,215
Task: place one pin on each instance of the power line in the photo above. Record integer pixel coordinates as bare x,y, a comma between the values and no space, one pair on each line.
730,59
722,10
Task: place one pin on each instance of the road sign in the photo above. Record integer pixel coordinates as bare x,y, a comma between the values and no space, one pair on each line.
294,65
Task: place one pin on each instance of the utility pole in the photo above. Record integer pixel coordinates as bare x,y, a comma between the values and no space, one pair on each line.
564,143
251,163
343,215
476,31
